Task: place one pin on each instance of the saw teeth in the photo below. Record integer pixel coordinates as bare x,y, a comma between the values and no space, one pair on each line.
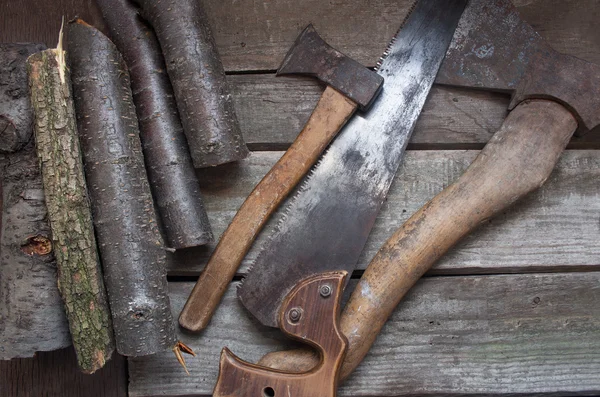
287,207
283,215
388,48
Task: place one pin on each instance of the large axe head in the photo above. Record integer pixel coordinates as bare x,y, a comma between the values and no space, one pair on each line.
493,48
311,55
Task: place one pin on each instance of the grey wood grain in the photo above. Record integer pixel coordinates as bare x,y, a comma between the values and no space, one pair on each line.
477,335
554,229
272,111
255,35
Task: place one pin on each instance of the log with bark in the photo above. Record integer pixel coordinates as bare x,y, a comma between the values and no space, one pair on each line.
79,273
170,168
202,94
131,248
32,316
15,112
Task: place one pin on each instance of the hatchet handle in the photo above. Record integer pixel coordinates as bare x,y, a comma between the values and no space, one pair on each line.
517,160
329,116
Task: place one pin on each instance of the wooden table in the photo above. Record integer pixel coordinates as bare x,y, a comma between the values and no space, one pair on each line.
514,309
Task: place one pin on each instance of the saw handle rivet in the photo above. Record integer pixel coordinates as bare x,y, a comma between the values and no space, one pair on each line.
325,290
295,314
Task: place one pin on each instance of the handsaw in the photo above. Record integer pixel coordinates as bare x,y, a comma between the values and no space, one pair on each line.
327,221
493,49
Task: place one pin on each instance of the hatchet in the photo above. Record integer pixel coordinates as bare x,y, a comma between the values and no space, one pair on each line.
553,95
349,86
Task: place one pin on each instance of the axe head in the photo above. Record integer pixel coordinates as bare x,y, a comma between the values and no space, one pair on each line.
311,55
494,49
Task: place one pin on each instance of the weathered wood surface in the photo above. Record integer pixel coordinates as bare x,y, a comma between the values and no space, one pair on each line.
272,111
517,334
555,228
54,374
255,35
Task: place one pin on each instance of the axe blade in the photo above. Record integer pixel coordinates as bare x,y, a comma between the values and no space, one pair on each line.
494,49
491,48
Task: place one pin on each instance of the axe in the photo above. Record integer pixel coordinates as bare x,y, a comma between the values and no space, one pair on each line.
553,96
349,86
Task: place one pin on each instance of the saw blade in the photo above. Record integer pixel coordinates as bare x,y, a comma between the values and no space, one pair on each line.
326,224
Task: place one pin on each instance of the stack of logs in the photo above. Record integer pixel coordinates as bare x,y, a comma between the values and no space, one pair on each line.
118,132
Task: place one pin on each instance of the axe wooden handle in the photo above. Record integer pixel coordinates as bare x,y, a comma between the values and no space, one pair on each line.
517,160
329,116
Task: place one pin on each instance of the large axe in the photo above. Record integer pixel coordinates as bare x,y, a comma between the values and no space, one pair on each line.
553,95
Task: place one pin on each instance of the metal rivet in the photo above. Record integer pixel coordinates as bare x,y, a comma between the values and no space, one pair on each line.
325,290
295,314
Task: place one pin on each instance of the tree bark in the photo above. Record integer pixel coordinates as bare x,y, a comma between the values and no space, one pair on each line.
202,94
79,273
16,119
31,319
170,169
131,248
32,316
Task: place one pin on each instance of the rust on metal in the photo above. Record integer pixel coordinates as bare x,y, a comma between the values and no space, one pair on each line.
570,81
494,49
311,55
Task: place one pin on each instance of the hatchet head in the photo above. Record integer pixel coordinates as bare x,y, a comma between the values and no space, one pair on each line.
311,55
494,49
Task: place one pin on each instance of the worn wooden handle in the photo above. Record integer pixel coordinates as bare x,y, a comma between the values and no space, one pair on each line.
309,314
517,160
330,115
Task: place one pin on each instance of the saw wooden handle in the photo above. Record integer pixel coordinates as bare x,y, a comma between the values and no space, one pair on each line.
329,116
517,160
309,314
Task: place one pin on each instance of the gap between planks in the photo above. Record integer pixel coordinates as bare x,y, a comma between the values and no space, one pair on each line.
532,334
553,229
255,35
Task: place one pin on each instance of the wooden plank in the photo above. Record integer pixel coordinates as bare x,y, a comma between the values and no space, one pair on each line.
512,334
254,35
555,228
56,374
22,21
272,111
